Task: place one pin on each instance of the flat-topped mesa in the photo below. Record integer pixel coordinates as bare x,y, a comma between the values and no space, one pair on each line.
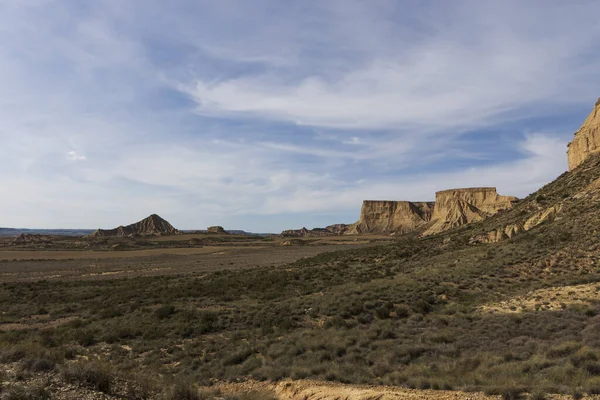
150,226
385,216
586,140
456,207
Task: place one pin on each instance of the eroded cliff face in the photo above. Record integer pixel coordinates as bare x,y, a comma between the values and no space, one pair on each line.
526,224
586,140
456,207
387,217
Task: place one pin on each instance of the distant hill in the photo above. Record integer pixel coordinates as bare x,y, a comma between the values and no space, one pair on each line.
153,225
63,232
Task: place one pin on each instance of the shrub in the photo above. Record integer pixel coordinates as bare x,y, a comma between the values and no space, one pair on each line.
252,396
164,311
563,349
13,354
85,337
41,364
93,375
238,357
403,311
512,393
537,395
27,393
507,393
185,391
577,395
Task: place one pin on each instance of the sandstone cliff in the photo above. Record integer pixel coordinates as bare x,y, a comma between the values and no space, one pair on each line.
151,226
456,207
387,217
586,140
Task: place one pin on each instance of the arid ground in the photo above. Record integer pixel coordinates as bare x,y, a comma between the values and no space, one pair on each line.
78,258
466,313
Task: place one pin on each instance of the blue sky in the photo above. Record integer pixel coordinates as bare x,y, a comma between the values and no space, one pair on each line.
267,115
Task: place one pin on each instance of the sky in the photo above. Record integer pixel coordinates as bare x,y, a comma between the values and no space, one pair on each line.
266,115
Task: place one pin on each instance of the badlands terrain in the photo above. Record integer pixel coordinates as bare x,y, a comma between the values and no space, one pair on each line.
476,295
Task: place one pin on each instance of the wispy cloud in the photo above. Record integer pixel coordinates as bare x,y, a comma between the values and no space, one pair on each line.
280,115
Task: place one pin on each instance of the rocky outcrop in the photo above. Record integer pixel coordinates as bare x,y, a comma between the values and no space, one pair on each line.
456,207
386,217
216,229
511,230
586,140
337,229
331,230
151,226
294,242
26,238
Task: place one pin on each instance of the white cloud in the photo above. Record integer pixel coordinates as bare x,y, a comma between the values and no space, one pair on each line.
464,75
74,156
406,91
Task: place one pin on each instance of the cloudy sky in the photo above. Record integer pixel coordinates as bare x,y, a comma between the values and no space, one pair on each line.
264,115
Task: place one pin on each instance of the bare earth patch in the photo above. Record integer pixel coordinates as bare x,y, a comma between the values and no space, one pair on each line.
547,299
35,323
315,390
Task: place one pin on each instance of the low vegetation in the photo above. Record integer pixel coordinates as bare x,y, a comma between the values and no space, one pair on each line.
404,314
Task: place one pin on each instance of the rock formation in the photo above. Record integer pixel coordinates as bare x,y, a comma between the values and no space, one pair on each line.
451,208
216,229
151,226
456,207
586,140
26,238
511,230
385,217
330,230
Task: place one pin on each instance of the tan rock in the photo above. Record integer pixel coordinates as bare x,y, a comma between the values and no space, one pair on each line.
586,140
511,230
541,216
216,229
150,226
385,217
456,207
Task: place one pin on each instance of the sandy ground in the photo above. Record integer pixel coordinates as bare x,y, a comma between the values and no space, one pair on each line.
547,299
314,390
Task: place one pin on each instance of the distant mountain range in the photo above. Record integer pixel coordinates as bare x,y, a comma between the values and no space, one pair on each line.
85,232
64,232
